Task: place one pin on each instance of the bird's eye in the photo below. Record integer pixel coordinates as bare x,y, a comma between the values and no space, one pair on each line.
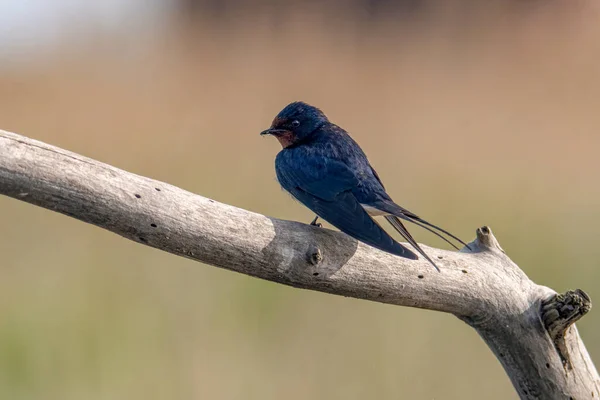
295,123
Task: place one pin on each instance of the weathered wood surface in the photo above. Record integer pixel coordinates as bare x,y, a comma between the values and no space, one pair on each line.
527,326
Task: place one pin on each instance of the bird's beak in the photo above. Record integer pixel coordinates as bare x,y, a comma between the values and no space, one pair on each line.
272,131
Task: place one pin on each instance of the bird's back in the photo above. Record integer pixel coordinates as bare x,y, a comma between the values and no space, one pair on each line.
333,141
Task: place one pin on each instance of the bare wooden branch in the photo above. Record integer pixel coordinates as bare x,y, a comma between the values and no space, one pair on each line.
527,326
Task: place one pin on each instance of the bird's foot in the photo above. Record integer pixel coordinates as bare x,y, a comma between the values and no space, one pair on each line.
315,223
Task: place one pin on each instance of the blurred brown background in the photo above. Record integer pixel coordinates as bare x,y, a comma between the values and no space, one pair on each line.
472,112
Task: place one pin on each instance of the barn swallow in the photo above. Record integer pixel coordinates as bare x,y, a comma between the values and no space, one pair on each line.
328,172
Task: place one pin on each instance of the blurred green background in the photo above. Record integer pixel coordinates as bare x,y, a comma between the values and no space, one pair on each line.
472,112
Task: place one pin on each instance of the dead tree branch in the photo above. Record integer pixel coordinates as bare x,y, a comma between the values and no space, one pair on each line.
527,326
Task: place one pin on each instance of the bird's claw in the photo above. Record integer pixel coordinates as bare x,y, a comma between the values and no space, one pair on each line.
315,223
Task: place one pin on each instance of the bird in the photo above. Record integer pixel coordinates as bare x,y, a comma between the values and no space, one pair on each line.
321,166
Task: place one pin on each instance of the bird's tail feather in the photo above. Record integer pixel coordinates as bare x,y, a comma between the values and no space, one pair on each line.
434,232
418,221
408,237
406,215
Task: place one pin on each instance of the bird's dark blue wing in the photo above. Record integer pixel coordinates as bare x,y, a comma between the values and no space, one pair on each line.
322,177
345,213
325,186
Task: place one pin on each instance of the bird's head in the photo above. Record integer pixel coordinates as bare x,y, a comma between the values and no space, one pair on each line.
295,123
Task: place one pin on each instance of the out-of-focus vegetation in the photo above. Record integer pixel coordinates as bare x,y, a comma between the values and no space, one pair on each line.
472,115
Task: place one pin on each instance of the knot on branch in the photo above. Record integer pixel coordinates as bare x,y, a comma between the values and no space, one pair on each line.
485,240
561,311
314,255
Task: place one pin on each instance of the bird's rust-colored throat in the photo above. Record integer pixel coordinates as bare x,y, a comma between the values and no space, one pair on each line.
286,138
